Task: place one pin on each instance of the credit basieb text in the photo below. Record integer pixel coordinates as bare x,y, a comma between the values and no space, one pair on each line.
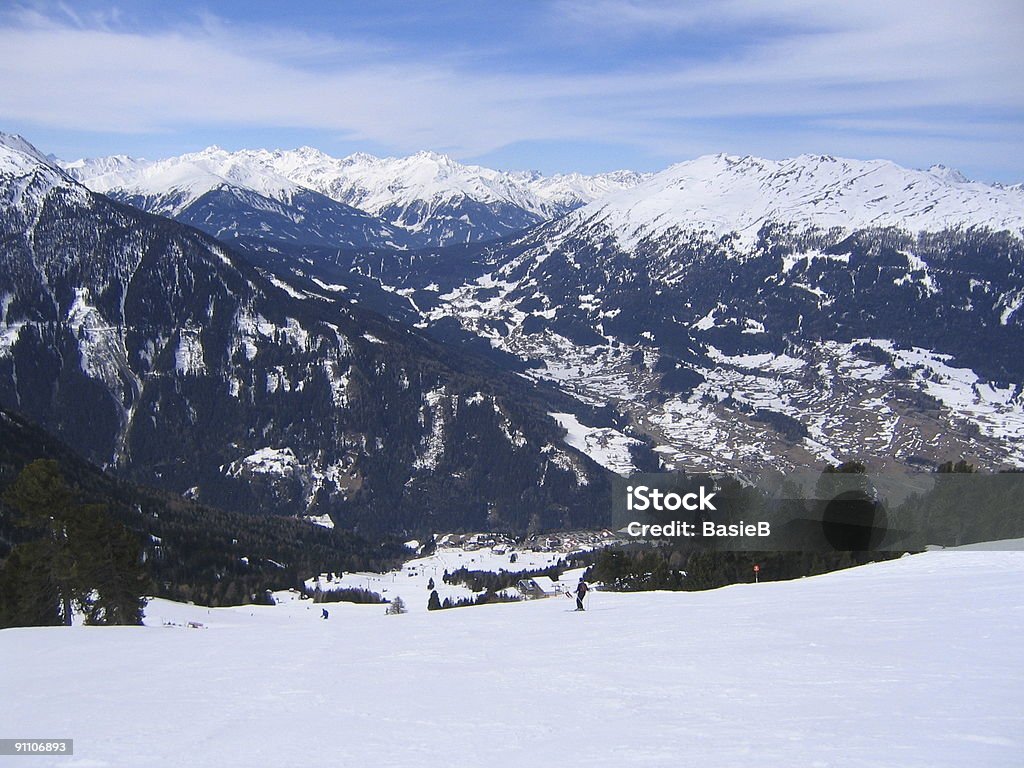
707,529
641,498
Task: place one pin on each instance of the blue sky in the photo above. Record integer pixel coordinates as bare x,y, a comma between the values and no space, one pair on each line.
588,85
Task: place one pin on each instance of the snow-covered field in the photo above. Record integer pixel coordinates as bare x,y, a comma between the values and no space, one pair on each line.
914,662
412,581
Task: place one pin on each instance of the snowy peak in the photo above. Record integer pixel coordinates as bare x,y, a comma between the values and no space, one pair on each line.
940,171
436,197
177,182
431,177
25,171
729,194
376,184
565,192
95,167
17,145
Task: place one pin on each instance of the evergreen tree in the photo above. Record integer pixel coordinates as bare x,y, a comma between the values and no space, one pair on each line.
961,467
44,504
76,557
28,595
434,603
109,558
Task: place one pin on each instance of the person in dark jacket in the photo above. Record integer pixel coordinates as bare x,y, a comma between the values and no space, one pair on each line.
581,592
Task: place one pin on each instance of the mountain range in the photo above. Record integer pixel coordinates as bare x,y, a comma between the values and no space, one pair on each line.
155,350
749,315
411,344
305,196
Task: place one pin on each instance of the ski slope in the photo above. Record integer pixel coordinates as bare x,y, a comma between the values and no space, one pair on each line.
914,662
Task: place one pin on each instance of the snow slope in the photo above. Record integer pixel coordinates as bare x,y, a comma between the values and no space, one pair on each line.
607,446
725,193
914,662
18,155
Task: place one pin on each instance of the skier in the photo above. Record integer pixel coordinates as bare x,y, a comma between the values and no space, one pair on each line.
581,592
324,615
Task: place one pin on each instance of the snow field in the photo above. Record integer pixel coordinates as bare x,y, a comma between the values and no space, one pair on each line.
914,662
411,580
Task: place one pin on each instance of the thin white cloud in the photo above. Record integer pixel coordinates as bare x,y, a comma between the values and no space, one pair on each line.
828,65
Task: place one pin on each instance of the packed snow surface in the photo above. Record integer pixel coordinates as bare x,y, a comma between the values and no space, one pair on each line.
914,662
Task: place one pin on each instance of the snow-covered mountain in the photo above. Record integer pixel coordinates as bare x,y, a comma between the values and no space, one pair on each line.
730,312
28,174
152,348
432,192
428,198
176,182
724,194
751,314
567,191
229,198
436,199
